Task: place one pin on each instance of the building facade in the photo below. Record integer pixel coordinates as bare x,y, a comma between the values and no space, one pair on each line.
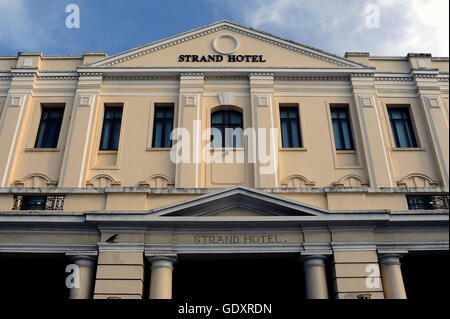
280,152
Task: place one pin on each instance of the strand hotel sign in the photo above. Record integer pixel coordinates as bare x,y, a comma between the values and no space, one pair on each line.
225,54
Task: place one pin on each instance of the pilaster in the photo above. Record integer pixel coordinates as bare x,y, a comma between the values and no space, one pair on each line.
80,139
189,158
436,119
266,168
13,120
378,161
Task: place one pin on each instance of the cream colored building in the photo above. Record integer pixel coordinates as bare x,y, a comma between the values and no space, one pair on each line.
346,177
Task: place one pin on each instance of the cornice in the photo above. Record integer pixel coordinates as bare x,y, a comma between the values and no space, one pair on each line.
131,77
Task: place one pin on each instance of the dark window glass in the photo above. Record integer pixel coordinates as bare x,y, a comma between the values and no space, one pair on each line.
162,126
342,128
290,129
427,202
229,125
402,127
33,203
111,128
49,127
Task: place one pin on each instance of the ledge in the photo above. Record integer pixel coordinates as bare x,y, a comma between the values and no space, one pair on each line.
141,189
29,149
408,149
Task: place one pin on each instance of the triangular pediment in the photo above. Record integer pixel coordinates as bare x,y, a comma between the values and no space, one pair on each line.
210,46
239,201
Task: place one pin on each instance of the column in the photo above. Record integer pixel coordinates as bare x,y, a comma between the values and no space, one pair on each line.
86,268
161,276
315,277
391,276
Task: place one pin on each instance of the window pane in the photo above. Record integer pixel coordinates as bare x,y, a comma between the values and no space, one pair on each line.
111,128
217,118
235,118
347,135
295,134
157,135
167,131
285,133
337,136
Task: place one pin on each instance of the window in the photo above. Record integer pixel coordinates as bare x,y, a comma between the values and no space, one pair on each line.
229,125
402,127
341,128
290,130
49,127
38,202
111,128
427,202
162,126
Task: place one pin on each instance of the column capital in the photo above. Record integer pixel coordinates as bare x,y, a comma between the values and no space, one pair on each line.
390,259
83,260
313,260
162,261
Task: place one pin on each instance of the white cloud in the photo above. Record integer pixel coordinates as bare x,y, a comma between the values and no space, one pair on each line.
339,26
24,26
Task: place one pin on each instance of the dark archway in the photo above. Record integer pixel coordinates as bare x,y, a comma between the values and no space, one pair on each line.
33,276
231,278
426,276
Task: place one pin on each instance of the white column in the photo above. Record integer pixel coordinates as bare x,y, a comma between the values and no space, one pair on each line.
391,276
86,266
161,277
315,276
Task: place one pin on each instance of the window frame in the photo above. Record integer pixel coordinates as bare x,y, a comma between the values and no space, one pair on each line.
115,121
299,126
59,122
165,121
411,126
227,125
348,119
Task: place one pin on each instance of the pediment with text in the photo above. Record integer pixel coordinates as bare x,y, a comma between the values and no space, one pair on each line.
226,44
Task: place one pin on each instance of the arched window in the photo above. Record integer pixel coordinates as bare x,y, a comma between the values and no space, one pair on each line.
227,129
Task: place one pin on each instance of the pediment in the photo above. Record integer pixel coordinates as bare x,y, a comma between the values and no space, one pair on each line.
239,201
211,46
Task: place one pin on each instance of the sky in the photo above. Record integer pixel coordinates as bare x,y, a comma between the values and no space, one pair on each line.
381,27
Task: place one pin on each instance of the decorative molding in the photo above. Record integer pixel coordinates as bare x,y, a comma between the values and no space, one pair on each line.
90,74
226,98
230,36
263,100
142,77
417,180
366,101
101,181
191,100
157,181
16,100
35,180
351,180
312,78
432,102
85,100
297,181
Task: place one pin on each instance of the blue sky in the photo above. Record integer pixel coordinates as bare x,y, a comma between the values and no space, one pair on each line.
336,26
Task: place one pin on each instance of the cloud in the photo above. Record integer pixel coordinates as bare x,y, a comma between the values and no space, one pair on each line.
340,26
32,26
